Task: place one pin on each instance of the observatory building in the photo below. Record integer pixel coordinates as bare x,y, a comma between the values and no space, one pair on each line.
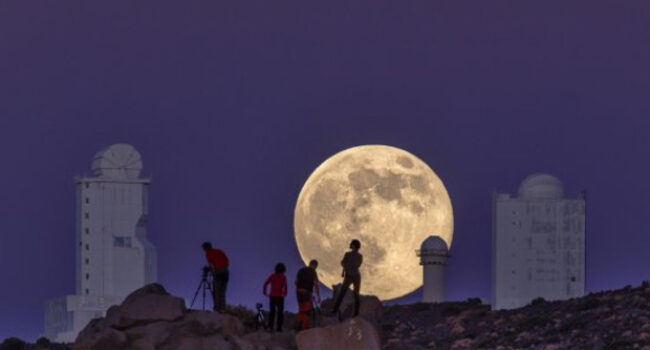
113,255
538,244
433,257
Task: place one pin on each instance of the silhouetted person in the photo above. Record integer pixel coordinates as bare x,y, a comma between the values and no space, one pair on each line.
218,263
278,283
306,283
351,262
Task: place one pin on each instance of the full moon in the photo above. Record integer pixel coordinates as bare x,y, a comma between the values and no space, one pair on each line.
388,199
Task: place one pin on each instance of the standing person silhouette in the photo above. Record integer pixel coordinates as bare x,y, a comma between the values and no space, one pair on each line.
278,283
351,262
218,263
306,283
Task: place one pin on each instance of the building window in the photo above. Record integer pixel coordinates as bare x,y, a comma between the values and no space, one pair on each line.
87,276
87,292
87,200
87,247
87,184
87,230
122,242
87,261
86,215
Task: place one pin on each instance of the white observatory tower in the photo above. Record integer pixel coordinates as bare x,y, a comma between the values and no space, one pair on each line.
113,255
538,244
433,258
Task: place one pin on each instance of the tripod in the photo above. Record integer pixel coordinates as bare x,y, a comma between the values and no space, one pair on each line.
316,310
260,318
205,284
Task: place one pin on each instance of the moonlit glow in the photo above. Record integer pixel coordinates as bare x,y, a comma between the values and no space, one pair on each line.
388,199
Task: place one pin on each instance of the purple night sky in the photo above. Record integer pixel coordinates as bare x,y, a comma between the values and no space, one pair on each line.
232,104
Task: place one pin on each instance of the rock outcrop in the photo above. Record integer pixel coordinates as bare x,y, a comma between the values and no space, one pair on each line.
607,320
371,307
151,319
148,304
352,334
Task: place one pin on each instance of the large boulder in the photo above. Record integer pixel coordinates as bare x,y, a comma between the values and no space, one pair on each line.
147,304
149,336
371,307
352,334
199,329
205,323
102,339
151,319
212,342
266,341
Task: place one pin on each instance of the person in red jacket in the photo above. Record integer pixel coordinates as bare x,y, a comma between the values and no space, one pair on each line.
218,264
278,283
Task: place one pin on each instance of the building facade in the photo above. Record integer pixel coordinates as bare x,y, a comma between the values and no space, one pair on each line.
538,244
113,255
433,254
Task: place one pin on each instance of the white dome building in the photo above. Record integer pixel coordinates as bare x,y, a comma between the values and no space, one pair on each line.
538,244
433,254
119,161
541,186
113,254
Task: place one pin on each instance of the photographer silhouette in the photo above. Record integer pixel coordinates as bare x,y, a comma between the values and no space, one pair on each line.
218,268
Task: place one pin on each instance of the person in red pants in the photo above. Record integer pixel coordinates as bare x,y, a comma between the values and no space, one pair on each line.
278,292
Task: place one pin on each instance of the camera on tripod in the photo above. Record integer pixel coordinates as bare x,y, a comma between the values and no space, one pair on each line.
260,318
206,272
204,286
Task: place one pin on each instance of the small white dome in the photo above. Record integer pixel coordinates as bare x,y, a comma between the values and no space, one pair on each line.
120,161
541,186
434,243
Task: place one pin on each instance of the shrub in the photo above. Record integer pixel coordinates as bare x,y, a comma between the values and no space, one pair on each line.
12,344
588,304
645,284
619,344
247,316
451,310
43,342
419,307
474,301
537,301
536,322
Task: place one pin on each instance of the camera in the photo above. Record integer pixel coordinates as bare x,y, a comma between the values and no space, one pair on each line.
206,271
259,306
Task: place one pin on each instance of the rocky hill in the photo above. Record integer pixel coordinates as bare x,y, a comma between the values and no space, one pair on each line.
151,319
608,320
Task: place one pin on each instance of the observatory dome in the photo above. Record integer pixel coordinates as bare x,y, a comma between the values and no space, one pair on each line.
541,186
434,243
119,161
